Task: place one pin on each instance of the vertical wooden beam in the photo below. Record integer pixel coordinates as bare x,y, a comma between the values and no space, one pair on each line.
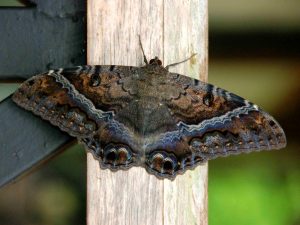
171,30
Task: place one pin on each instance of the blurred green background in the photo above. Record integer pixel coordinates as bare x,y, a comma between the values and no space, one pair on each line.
254,52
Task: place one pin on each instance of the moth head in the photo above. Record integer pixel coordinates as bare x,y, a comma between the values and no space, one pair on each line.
156,61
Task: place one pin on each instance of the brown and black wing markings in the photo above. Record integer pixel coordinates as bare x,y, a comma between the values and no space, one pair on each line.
83,101
111,89
46,97
211,122
64,98
103,85
94,89
145,116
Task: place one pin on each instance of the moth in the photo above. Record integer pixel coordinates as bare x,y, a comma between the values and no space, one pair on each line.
147,116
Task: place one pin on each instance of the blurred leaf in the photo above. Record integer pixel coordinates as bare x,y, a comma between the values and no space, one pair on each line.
266,83
259,188
56,203
276,15
15,3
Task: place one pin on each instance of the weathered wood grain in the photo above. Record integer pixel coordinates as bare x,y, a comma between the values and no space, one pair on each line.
171,30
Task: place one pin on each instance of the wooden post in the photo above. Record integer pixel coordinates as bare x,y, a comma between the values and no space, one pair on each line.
171,30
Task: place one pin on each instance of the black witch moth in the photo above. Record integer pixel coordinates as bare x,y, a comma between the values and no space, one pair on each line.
146,116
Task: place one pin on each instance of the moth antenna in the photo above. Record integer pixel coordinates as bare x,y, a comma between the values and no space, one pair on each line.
174,64
145,59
